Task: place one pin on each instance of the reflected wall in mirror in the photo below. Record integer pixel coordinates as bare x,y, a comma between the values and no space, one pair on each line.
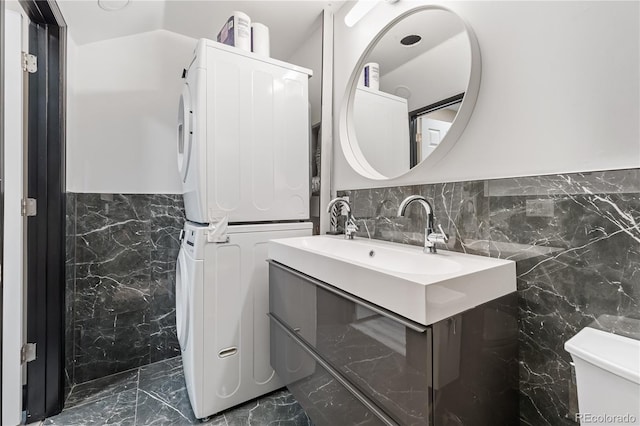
409,87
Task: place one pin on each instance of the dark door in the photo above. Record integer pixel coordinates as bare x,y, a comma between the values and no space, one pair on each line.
46,229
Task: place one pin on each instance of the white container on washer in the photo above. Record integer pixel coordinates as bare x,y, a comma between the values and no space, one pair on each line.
370,76
237,31
260,39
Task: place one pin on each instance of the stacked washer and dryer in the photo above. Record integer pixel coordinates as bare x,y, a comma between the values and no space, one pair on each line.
243,155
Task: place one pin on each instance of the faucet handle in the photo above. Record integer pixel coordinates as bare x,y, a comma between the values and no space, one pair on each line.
350,227
351,224
445,237
438,237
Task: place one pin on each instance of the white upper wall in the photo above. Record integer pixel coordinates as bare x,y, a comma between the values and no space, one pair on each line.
122,109
309,55
559,90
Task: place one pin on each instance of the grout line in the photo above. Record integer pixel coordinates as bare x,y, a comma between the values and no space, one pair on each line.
127,371
166,404
66,400
135,413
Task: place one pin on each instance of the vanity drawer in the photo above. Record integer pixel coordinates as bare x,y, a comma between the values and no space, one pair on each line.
327,397
293,301
386,357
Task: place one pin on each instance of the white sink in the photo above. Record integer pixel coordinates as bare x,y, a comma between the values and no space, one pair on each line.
425,288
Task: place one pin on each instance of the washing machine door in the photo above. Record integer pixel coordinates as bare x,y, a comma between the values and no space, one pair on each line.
185,132
183,298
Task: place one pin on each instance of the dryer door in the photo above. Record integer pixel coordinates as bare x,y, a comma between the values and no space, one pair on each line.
185,132
183,296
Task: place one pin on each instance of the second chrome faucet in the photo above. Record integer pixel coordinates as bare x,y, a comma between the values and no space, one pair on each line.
431,237
350,227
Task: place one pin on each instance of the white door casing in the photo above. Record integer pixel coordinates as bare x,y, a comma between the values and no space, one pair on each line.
14,224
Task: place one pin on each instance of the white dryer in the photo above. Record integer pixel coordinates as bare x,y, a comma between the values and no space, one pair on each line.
243,137
222,302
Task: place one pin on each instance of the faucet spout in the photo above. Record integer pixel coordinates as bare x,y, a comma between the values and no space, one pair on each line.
424,203
339,200
350,227
430,236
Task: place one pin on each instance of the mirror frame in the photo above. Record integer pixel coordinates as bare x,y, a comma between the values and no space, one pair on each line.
348,139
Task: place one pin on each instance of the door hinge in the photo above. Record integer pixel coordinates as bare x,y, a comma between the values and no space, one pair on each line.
28,353
29,62
29,207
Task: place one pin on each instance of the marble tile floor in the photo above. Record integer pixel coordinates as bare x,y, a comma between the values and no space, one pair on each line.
156,394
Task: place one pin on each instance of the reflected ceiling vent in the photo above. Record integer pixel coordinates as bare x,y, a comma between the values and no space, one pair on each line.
402,91
410,40
113,5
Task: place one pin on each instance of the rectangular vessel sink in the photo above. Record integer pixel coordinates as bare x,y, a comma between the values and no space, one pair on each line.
424,288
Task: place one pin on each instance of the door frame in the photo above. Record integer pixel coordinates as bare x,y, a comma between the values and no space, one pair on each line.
13,222
43,395
413,123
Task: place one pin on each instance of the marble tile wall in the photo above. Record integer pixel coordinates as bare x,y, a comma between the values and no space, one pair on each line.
576,241
120,306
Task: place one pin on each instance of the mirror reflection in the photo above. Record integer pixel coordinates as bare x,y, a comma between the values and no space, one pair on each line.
409,89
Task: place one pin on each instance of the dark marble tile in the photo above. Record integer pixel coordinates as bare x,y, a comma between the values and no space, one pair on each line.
564,292
99,212
163,390
101,388
163,339
118,409
462,209
111,344
379,206
121,259
70,272
607,182
220,420
100,293
112,255
154,411
156,394
279,408
167,220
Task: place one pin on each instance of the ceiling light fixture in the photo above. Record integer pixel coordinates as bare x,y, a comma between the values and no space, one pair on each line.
360,9
357,12
113,5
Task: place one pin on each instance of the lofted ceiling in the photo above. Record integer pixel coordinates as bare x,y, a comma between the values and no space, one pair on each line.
434,26
290,22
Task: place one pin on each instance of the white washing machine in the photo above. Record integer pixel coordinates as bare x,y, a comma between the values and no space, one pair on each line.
222,302
243,137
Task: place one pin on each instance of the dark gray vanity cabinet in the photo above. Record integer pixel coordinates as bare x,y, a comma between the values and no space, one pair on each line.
349,362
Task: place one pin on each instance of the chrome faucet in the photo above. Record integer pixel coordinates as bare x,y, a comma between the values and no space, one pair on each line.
350,226
430,236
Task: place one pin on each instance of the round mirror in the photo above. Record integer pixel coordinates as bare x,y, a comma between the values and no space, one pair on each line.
411,93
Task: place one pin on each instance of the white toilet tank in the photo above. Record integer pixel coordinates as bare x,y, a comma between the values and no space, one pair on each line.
608,376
